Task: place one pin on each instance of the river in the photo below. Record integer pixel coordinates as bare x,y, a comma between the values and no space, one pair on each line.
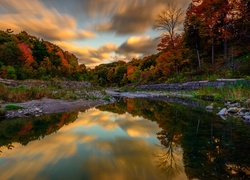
130,139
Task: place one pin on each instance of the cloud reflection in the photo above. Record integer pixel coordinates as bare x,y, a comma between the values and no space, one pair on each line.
79,148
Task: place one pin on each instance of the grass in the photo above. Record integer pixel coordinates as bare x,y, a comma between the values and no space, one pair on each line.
12,107
106,99
237,92
52,90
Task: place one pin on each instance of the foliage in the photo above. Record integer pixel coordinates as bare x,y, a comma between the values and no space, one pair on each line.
23,56
215,43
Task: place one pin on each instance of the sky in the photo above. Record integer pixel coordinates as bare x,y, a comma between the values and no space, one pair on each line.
96,31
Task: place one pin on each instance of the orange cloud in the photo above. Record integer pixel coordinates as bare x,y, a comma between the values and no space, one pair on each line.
35,18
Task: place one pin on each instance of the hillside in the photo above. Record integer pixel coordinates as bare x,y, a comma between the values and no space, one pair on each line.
23,56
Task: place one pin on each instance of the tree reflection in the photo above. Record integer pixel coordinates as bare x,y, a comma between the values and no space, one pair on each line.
168,153
212,148
25,130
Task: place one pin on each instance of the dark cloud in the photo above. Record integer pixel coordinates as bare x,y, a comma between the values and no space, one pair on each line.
121,16
128,17
144,45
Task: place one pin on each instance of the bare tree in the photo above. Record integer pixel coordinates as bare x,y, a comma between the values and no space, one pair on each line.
169,19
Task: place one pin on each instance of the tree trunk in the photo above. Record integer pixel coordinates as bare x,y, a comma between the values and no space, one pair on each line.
198,55
176,67
225,50
213,52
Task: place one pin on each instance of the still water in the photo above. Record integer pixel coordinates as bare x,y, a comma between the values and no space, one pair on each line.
130,139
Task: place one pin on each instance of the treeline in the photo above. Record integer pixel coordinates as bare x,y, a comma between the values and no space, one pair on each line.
215,43
23,56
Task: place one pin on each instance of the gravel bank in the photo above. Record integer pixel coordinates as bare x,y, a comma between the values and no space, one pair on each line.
48,106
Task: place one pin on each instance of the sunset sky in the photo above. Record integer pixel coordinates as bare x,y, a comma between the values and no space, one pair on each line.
96,31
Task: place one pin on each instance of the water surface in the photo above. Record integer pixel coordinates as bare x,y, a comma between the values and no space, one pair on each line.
130,139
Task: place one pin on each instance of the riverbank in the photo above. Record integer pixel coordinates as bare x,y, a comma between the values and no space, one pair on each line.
49,106
36,97
224,108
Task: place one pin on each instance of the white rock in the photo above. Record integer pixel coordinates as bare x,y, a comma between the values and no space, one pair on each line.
241,114
247,113
210,107
223,111
223,117
233,110
247,117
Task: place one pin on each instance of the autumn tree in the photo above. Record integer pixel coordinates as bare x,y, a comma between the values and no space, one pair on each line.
214,26
169,19
172,56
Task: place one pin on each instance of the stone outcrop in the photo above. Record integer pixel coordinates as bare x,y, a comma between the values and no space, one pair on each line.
194,85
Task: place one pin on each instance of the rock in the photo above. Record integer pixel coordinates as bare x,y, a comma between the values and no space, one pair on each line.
210,107
248,102
223,117
234,105
242,110
241,114
233,110
247,114
223,111
247,117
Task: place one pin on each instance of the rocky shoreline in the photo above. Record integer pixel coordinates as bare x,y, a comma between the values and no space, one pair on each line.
233,109
49,106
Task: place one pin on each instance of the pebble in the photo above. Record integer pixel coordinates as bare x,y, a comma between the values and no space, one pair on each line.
31,111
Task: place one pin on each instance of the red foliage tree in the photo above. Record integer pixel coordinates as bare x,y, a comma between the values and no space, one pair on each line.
27,53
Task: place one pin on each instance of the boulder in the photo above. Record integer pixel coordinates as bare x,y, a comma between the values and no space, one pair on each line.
223,111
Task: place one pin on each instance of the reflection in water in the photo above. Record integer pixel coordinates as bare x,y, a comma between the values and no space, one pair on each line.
86,145
212,148
130,139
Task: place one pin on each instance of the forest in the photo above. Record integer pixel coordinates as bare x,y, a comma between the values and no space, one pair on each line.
214,43
23,56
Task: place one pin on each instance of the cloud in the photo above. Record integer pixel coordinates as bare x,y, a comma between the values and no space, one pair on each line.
143,45
88,55
133,47
128,16
35,18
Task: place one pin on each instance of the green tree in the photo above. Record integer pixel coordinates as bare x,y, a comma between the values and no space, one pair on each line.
39,51
10,54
